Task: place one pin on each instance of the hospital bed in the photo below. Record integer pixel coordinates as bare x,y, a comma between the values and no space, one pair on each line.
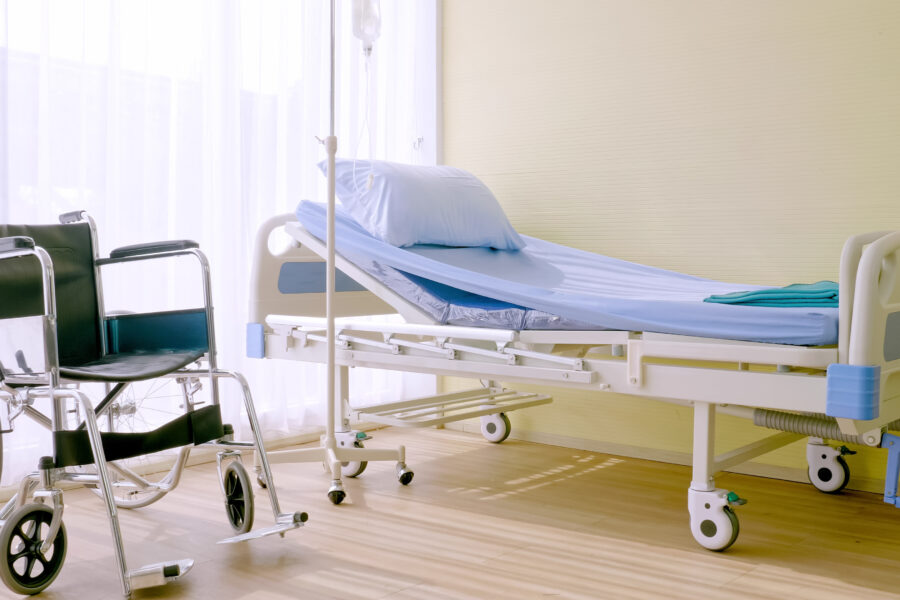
561,317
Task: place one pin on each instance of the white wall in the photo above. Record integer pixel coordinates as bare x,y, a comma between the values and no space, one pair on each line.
739,140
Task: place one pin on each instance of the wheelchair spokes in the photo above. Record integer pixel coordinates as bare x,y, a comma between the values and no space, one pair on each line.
26,568
143,406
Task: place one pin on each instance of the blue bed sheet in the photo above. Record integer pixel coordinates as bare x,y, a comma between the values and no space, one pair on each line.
553,284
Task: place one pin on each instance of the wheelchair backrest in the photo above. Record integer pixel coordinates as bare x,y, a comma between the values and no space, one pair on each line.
78,318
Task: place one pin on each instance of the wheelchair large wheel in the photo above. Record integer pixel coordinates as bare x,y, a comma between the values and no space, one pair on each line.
238,497
24,568
144,406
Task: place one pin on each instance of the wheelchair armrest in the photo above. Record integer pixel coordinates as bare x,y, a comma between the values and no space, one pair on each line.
153,248
12,244
72,217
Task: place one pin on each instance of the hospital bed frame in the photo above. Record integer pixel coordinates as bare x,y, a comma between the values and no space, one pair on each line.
846,394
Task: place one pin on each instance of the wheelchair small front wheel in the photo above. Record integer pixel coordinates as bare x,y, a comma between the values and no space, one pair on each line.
238,497
24,568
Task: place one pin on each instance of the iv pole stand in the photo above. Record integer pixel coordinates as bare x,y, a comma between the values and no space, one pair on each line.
332,453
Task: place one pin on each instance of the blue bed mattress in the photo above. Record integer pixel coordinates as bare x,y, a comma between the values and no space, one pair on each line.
549,286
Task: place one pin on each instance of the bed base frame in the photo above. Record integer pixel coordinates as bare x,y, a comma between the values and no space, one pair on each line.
849,393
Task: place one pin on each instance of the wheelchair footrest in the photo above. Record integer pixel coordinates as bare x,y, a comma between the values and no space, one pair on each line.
159,573
286,522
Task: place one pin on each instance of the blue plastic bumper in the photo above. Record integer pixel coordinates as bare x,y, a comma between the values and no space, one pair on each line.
853,391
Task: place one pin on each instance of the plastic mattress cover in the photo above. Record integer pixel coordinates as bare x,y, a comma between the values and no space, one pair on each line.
550,286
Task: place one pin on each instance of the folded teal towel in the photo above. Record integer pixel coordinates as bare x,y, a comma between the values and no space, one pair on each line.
823,293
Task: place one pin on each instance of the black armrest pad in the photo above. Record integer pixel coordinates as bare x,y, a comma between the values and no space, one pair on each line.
153,248
16,243
71,217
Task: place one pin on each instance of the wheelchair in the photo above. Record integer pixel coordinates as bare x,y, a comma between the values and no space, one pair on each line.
55,341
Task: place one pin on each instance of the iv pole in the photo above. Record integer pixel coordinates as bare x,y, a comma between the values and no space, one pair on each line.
330,441
344,447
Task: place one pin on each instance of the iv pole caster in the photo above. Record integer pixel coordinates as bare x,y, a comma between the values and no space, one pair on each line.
336,492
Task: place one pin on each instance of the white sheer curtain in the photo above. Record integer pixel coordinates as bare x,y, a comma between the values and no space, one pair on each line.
173,119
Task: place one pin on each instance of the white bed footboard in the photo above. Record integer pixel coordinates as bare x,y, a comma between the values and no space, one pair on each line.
870,318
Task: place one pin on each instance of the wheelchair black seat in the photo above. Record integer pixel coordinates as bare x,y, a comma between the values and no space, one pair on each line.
131,366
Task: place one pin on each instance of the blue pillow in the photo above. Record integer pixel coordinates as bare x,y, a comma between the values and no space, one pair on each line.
410,204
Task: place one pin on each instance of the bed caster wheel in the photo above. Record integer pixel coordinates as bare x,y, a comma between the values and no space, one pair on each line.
495,428
714,524
25,569
828,471
336,493
717,532
354,468
261,481
238,497
404,475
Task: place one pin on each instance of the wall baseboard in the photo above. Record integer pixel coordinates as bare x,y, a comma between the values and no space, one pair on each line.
206,454
862,484
202,455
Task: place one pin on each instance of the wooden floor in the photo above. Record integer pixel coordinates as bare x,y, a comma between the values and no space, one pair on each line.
514,520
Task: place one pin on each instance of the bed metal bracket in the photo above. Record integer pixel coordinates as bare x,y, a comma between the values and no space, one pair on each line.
576,364
635,360
301,336
892,474
441,349
507,358
340,341
360,341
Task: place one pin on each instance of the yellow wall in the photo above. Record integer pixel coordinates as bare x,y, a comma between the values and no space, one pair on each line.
738,140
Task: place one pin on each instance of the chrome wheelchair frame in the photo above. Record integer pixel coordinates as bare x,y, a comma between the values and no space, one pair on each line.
32,534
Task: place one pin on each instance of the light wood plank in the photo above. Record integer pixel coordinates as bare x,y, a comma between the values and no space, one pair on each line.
514,520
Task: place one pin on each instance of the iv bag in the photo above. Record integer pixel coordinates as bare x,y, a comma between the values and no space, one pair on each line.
367,22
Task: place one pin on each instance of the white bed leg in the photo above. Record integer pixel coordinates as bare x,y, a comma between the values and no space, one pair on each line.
341,398
704,446
713,523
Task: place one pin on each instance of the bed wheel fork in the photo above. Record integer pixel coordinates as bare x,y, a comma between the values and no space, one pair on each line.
48,494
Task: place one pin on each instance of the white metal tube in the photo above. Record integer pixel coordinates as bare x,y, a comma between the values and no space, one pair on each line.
704,446
331,125
331,149
438,331
104,483
256,430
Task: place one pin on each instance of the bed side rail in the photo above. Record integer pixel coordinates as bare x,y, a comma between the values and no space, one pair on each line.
872,298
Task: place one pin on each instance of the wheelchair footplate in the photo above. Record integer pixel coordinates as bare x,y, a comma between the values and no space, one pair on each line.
159,573
286,522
